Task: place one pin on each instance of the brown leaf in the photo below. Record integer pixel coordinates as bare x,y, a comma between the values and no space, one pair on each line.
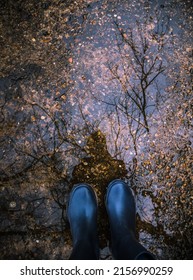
70,60
33,118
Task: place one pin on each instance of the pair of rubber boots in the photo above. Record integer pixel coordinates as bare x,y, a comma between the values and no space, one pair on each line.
82,216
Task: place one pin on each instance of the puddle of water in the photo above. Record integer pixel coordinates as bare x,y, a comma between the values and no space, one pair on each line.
92,91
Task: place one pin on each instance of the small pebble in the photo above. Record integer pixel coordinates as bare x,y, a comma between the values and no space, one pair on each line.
12,204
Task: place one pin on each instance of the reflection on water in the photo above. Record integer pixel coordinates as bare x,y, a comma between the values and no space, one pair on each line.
98,169
92,91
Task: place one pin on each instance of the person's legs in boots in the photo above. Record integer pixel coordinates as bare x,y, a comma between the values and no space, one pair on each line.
120,206
82,216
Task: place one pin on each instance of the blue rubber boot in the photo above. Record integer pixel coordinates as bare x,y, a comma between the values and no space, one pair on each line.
82,216
120,205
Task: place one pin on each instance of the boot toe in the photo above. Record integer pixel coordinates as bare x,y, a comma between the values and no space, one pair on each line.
119,197
120,205
82,203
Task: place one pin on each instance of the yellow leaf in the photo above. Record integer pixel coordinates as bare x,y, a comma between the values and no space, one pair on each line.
33,118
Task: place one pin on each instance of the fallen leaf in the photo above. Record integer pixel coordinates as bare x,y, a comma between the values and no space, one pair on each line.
63,97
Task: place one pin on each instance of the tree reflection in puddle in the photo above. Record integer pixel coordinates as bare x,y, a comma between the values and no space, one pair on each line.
91,92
